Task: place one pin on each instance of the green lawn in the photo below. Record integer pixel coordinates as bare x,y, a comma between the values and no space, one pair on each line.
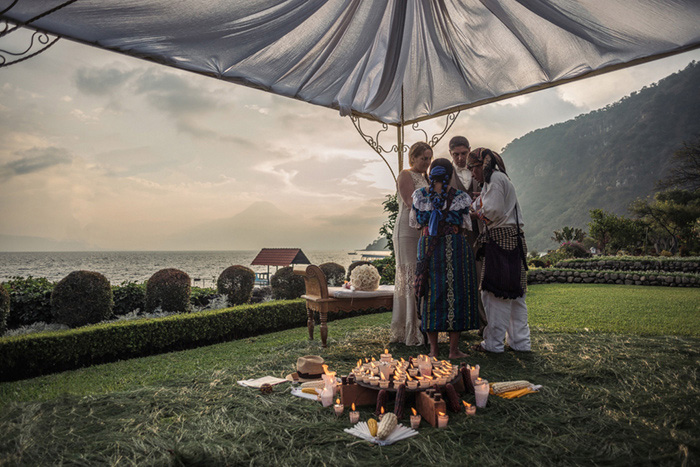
618,364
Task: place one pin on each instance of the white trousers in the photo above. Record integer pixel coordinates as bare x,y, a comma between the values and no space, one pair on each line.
506,318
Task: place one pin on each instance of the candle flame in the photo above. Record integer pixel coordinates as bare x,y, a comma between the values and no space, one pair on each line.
386,350
366,360
402,360
414,411
466,404
418,377
408,378
428,378
337,401
353,406
359,363
383,377
478,380
442,414
374,359
382,410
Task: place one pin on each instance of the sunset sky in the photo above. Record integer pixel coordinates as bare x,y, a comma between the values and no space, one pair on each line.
116,153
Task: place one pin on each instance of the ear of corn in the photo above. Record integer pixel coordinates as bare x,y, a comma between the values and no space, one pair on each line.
310,391
387,425
500,388
372,424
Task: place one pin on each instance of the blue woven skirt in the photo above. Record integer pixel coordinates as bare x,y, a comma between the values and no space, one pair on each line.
451,301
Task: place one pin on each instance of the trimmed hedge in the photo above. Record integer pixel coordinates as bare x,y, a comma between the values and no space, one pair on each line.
169,290
80,298
547,276
236,282
634,263
37,354
4,309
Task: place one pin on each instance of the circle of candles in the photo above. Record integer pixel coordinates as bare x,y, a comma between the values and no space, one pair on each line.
442,419
338,407
354,414
469,409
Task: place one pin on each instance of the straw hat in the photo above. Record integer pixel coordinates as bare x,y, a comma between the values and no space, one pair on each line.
309,368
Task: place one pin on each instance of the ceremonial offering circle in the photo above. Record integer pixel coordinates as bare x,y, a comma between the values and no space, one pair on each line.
393,389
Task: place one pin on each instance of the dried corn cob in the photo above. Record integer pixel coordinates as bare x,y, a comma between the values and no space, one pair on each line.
505,386
372,425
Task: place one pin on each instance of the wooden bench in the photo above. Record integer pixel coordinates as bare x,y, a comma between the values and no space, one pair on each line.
321,299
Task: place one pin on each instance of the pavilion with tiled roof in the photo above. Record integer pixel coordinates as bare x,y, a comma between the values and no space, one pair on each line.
277,257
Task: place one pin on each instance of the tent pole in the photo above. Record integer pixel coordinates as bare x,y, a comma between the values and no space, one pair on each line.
400,135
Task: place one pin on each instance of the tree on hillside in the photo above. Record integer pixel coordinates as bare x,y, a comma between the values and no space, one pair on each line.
613,233
674,213
685,171
568,234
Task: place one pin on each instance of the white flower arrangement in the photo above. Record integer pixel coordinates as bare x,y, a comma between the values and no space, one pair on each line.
365,277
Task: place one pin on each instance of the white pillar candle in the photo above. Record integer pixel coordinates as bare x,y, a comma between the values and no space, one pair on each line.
415,421
481,391
442,419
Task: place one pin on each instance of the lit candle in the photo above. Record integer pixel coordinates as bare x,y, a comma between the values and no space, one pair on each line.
338,407
374,380
383,382
481,391
411,383
425,367
442,419
381,413
413,372
474,372
415,419
354,414
386,356
469,409
374,368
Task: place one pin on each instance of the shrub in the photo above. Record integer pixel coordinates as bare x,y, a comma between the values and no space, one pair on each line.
665,253
334,272
573,250
202,297
387,269
128,297
353,266
261,294
536,263
236,282
286,285
169,290
30,301
4,309
80,298
35,354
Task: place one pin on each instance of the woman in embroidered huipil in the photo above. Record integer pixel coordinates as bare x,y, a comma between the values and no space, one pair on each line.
448,297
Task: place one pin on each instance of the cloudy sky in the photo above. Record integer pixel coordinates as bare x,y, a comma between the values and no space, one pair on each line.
120,154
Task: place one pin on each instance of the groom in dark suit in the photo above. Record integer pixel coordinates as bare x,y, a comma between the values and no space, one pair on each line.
459,150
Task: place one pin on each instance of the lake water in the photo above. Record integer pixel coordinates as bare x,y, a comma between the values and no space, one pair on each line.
138,266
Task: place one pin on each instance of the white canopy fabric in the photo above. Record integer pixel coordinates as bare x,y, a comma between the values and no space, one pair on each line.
395,61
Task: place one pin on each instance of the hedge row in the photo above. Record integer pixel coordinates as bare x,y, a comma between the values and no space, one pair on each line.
37,354
547,276
630,263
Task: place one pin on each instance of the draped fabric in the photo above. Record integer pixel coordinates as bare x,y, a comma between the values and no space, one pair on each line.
374,58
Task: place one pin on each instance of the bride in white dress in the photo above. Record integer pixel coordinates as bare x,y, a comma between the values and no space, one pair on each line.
405,325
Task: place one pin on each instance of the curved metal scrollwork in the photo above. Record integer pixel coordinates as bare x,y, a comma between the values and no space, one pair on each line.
374,143
39,42
43,39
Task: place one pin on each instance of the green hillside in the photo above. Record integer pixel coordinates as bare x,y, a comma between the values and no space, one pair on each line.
604,159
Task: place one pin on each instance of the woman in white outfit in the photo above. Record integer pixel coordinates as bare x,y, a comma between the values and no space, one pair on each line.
503,277
405,325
